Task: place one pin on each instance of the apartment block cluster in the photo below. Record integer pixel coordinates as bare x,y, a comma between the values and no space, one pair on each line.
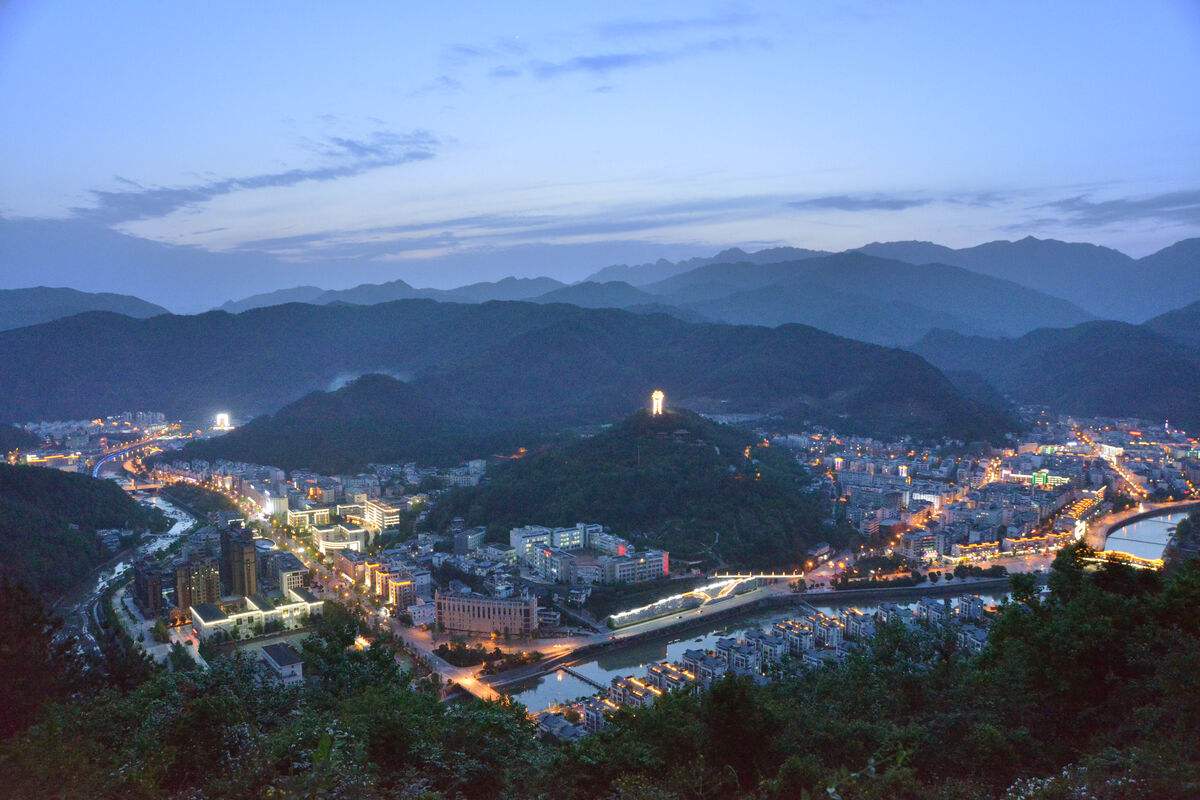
393,486
586,554
1031,499
813,640
227,585
398,577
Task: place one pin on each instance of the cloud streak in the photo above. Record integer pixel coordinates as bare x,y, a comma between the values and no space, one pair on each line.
847,202
346,157
1180,206
607,62
733,18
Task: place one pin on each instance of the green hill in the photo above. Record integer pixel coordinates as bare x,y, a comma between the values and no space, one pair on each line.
48,519
677,481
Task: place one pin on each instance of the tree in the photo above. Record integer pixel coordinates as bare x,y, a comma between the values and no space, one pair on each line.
1024,588
38,662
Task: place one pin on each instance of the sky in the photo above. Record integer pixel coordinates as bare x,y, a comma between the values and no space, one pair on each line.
333,143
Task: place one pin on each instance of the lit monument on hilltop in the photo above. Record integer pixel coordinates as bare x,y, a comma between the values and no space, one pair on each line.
221,423
656,402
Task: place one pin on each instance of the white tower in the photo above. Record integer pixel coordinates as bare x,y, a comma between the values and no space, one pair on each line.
656,402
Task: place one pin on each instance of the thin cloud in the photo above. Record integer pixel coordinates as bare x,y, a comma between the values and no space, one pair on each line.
605,63
1079,211
655,27
846,202
348,158
442,84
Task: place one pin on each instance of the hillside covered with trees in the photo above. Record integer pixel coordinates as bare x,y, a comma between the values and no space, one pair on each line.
48,520
678,481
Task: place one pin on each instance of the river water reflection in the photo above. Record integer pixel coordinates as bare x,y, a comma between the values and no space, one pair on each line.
560,687
1146,538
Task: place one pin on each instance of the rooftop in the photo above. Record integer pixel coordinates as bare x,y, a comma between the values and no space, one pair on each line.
282,654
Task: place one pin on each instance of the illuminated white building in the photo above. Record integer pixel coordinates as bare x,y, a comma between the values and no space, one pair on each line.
221,423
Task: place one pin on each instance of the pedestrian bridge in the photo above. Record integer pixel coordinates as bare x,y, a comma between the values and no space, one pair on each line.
768,576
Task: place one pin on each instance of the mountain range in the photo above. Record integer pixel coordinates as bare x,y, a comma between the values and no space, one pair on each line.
852,294
1101,368
371,293
528,364
21,307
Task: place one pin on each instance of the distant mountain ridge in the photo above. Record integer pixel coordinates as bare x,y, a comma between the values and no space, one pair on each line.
642,274
371,293
1103,368
1104,281
21,307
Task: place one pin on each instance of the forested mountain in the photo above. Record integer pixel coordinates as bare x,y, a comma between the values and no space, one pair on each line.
374,419
865,297
48,520
1182,325
1094,369
546,364
1106,282
674,480
21,307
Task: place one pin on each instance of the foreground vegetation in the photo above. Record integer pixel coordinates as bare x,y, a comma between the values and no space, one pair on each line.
1089,691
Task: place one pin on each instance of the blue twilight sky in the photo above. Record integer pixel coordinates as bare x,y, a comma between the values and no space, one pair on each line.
448,142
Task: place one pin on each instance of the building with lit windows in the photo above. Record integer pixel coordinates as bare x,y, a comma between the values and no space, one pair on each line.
477,614
332,538
245,617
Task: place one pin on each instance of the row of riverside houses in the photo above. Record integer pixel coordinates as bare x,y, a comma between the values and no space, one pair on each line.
813,641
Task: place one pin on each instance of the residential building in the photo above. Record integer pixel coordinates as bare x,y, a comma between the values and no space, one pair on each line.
148,588
290,571
197,581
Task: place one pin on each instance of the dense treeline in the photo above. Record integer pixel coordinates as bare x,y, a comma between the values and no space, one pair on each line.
48,520
375,419
12,437
677,481
197,498
1089,691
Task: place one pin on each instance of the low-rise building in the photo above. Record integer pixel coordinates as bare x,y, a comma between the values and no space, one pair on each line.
284,663
245,616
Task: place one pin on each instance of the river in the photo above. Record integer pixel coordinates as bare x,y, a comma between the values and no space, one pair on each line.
1146,538
559,687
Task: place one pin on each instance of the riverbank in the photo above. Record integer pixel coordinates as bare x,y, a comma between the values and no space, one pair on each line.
765,601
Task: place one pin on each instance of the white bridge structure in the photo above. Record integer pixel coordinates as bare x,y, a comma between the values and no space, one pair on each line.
767,576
